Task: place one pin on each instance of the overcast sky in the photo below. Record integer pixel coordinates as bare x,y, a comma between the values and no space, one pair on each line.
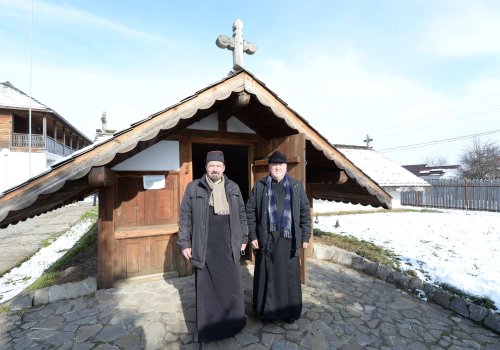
404,72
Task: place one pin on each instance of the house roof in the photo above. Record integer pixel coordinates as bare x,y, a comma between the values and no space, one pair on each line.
11,98
381,169
270,117
441,171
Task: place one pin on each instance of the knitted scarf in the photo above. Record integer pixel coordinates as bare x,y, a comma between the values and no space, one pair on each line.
285,228
218,198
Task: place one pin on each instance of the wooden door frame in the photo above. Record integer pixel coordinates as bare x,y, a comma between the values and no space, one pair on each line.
297,142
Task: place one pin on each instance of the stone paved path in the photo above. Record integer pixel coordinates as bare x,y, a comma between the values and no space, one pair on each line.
24,239
343,309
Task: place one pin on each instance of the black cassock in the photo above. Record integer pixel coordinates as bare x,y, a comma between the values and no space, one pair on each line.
277,293
220,309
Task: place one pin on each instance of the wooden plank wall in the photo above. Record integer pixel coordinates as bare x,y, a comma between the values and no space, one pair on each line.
146,227
5,129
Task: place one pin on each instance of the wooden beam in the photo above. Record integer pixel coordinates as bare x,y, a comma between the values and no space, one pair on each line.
289,160
146,231
101,177
334,177
185,176
207,136
105,238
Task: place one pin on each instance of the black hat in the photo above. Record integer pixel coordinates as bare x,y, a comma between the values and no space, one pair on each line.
277,158
215,156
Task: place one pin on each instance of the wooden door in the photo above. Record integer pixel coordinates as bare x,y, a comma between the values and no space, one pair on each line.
146,227
294,147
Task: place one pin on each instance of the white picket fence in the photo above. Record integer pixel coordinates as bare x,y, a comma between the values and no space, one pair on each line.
457,194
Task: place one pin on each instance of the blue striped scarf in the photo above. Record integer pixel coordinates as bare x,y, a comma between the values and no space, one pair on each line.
285,228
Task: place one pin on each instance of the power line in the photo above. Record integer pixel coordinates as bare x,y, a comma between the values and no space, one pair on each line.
462,116
435,142
470,109
454,109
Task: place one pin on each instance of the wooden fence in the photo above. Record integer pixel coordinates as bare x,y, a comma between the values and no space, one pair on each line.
457,194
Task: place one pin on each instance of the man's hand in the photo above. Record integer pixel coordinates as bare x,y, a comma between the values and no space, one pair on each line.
255,244
243,246
187,253
305,245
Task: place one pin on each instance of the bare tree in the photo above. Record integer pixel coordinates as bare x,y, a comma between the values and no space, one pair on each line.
480,160
435,161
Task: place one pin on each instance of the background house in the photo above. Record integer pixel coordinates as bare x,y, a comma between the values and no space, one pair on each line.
392,177
428,172
52,137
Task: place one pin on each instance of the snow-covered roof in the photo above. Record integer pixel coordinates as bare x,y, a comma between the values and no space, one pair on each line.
379,168
11,97
427,172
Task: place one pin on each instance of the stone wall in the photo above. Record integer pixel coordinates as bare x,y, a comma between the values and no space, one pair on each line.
425,291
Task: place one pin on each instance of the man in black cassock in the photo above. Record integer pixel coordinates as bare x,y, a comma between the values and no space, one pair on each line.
279,225
212,232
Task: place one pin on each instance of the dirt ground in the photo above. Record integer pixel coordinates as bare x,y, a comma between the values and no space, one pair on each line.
83,265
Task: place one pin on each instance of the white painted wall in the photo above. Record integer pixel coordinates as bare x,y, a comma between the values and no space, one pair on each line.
14,167
235,125
163,155
208,123
212,123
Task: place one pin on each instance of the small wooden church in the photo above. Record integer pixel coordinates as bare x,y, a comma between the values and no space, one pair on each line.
141,172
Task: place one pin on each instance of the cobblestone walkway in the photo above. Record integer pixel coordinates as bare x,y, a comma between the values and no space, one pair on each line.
343,309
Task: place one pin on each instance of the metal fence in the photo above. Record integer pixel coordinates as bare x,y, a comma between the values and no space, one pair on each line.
457,194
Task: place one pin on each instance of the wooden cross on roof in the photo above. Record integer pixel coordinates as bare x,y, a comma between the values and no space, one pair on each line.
368,140
237,45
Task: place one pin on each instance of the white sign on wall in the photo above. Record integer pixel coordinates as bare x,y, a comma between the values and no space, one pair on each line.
153,182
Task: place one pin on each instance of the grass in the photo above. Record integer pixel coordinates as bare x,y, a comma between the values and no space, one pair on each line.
91,214
385,257
4,309
363,248
355,212
475,299
52,274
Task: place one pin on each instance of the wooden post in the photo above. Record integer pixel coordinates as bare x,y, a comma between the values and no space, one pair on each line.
466,202
185,176
105,238
307,253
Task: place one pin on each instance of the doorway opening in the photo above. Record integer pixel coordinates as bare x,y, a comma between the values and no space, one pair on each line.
236,160
237,170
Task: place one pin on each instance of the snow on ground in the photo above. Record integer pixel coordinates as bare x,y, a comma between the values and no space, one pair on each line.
457,247
19,278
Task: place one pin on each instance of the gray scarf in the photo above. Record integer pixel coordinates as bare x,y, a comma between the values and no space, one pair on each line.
218,198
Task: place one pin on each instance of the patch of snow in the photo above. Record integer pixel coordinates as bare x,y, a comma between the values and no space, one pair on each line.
19,278
457,247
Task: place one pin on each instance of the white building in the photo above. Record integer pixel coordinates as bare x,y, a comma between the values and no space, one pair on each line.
52,137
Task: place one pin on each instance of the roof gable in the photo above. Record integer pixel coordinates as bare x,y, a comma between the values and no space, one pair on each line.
66,180
382,170
13,98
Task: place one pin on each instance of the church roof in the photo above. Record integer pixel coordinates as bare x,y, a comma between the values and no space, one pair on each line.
381,169
269,116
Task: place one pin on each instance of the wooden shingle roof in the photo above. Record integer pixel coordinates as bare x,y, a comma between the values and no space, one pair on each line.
268,115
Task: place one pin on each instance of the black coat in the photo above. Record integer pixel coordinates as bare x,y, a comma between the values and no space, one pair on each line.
194,214
258,217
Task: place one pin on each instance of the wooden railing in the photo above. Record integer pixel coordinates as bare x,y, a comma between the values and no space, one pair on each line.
22,140
37,141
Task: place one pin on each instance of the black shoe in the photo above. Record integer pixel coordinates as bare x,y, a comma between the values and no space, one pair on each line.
290,320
